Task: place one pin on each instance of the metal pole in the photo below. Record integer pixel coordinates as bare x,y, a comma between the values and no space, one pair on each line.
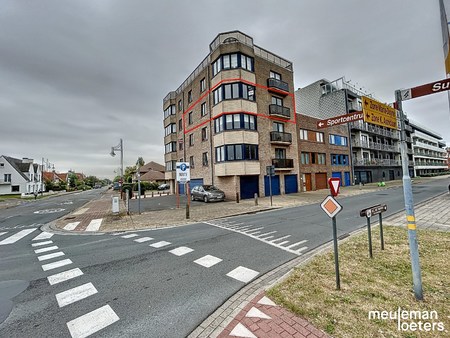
380,218
369,234
336,255
139,189
42,177
188,201
121,161
270,187
409,206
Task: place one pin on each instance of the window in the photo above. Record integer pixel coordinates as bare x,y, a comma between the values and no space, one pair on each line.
204,134
171,165
169,111
232,91
236,152
274,75
170,129
319,137
191,139
232,61
234,122
278,126
7,178
190,117
180,105
338,140
339,159
2,164
191,162
15,188
202,85
277,101
190,96
280,153
180,124
171,147
205,159
304,157
180,145
203,109
303,134
321,158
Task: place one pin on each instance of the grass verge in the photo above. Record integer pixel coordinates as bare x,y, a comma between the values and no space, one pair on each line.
383,283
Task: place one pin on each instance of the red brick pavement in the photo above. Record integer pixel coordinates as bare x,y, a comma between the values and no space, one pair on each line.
282,323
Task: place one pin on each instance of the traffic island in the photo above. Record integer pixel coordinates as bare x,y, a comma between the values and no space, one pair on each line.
376,297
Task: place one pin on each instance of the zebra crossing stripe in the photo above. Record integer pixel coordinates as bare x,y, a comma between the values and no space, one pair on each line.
43,235
143,239
42,243
56,265
71,226
129,236
94,225
2,233
50,256
49,248
75,294
92,322
14,238
63,276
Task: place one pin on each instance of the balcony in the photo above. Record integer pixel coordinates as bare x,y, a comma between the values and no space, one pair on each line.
278,86
376,162
283,163
280,111
280,137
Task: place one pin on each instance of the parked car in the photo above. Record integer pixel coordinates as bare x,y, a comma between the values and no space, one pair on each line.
163,186
207,193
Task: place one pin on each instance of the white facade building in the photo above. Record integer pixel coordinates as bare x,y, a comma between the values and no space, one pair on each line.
20,176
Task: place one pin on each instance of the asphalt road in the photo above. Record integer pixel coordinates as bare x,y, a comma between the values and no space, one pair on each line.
151,291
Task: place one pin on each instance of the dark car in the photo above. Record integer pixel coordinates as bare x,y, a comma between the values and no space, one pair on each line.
163,186
207,193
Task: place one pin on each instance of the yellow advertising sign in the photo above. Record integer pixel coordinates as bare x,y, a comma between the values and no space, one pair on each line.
379,113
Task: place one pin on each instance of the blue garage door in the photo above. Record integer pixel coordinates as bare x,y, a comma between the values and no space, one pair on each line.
195,182
347,178
290,184
249,186
337,174
275,185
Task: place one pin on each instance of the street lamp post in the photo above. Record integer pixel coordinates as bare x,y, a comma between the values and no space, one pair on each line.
117,148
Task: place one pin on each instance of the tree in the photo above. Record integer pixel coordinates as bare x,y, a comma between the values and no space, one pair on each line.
72,180
140,162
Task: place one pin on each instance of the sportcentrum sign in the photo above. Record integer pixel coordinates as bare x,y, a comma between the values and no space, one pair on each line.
342,119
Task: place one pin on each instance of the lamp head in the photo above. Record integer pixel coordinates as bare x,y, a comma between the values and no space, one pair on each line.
112,153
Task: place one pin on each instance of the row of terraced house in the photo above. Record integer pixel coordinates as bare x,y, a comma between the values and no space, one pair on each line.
237,113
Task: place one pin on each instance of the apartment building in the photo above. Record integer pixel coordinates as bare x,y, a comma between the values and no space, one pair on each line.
232,118
323,153
375,150
429,150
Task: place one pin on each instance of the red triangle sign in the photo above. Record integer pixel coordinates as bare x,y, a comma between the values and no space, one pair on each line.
334,183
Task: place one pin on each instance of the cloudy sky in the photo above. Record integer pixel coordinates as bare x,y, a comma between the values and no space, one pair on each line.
76,76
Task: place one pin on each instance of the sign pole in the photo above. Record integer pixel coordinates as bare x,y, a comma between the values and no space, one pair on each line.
369,234
380,218
336,257
270,188
409,205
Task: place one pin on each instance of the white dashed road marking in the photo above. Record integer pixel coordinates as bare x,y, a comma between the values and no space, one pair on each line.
41,243
14,238
92,322
159,244
129,236
208,261
143,239
2,233
243,274
75,294
180,251
63,276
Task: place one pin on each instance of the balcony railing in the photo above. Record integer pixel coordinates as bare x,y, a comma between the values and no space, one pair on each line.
278,136
278,85
283,163
281,111
374,129
377,162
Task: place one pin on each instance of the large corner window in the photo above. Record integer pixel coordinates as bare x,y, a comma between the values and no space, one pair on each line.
232,91
235,122
237,152
169,111
170,129
233,61
170,147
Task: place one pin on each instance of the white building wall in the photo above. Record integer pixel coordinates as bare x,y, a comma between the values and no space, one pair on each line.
16,179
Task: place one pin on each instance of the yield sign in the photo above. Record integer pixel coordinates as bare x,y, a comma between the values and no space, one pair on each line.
334,183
